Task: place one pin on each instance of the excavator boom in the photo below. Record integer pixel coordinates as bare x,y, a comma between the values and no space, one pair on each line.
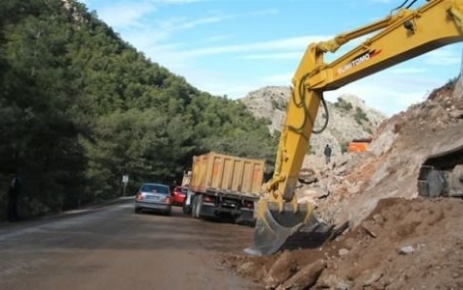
401,36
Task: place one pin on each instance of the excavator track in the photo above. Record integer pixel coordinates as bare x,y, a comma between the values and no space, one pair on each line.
442,174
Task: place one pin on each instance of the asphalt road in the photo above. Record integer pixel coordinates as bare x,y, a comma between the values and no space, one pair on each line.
114,248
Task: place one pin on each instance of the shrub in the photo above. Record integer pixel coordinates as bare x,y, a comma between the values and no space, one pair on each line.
343,104
360,115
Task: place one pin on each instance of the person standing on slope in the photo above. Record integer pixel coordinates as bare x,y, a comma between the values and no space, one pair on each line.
327,153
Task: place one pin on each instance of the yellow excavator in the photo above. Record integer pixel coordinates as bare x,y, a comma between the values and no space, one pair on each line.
404,34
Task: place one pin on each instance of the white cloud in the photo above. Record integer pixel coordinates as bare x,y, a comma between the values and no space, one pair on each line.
171,25
128,13
124,14
292,55
292,43
278,79
149,35
178,2
215,17
175,56
217,38
200,21
443,56
408,70
263,12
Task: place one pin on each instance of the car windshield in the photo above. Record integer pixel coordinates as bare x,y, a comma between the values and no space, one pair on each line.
155,188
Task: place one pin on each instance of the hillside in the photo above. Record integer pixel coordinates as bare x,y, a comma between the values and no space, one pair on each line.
349,117
386,236
80,107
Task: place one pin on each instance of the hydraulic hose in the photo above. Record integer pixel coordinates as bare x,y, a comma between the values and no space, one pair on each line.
306,114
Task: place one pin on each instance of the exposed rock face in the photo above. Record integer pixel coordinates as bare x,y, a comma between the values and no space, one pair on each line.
354,184
268,103
349,117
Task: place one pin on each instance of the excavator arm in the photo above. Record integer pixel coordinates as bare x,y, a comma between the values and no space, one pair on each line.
401,36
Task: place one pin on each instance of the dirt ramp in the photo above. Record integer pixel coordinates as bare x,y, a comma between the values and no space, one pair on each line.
403,244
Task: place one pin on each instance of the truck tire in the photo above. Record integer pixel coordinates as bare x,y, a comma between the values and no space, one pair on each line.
193,207
199,203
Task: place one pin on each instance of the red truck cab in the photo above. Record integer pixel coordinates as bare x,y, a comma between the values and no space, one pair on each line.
178,195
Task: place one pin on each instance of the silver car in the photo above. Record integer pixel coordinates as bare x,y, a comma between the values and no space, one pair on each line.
154,196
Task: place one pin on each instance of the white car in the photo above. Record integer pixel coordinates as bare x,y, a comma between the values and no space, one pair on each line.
155,197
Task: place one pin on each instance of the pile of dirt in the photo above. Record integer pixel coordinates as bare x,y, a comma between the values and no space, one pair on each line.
403,244
391,238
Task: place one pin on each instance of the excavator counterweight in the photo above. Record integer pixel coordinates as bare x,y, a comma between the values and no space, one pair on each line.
402,35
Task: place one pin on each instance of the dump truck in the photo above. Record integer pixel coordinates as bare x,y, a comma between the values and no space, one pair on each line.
224,187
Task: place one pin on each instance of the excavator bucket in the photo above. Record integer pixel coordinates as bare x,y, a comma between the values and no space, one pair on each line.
274,226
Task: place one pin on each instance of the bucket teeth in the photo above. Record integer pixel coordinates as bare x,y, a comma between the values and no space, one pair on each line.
269,236
273,227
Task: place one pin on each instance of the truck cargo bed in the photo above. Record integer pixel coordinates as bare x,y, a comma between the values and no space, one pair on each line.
223,186
228,174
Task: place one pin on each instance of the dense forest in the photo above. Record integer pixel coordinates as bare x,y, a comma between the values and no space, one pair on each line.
80,107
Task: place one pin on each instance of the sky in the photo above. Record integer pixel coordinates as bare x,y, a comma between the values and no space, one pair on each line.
233,47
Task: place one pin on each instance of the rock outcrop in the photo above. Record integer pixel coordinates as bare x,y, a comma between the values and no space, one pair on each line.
349,117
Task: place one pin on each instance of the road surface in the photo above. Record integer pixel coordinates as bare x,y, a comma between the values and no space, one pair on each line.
114,248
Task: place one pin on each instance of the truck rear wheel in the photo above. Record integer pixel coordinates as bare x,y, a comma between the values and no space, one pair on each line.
193,207
198,203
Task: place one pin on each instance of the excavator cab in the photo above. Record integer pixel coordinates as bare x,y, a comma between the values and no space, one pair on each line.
400,36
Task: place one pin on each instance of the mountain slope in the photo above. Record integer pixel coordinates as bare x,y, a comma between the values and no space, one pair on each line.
349,117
